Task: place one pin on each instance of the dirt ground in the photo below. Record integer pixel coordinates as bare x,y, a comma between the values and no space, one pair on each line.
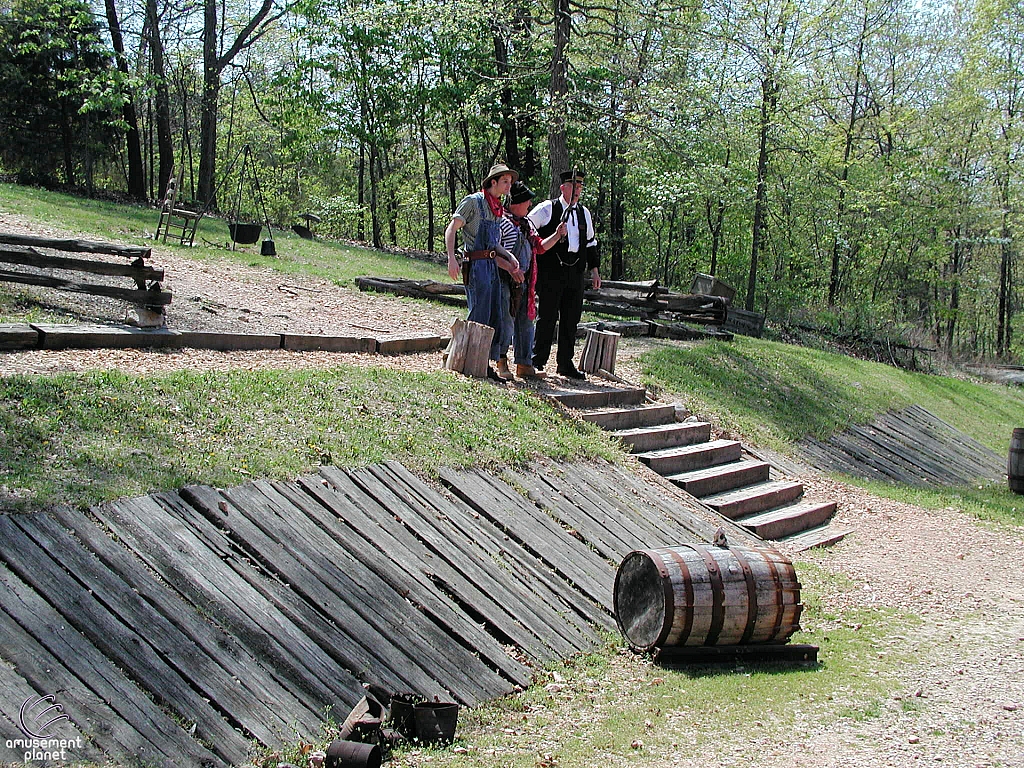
962,577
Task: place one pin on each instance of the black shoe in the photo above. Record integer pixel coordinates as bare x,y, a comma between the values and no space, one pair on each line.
572,373
493,375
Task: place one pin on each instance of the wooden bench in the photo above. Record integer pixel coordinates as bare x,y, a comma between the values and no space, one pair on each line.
148,296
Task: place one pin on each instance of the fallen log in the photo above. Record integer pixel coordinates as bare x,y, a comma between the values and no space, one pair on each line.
29,257
77,246
155,297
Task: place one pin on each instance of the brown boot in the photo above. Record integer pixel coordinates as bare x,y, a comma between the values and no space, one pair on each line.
529,372
502,368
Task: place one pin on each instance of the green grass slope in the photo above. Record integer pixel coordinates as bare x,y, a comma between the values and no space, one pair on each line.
774,394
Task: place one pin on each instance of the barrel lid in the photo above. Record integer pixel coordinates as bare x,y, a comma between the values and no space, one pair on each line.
643,606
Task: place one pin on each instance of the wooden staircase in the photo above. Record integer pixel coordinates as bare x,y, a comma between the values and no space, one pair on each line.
719,472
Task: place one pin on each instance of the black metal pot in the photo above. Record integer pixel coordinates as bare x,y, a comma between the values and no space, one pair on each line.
245,232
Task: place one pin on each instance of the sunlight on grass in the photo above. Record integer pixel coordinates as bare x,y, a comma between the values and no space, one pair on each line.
135,225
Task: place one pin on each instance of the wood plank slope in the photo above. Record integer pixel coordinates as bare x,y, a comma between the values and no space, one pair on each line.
912,446
182,628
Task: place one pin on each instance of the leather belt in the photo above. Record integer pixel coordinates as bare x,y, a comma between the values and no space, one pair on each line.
477,255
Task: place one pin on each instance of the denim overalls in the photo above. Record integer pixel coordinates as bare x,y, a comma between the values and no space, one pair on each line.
486,293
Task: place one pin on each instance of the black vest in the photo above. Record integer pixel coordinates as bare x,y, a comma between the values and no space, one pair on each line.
560,251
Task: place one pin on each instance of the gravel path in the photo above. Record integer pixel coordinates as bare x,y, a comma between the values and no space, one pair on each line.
963,578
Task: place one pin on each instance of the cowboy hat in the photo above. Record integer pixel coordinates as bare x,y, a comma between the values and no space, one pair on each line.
499,169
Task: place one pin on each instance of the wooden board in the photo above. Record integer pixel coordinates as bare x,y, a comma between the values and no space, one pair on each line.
155,297
77,246
55,656
911,446
119,642
229,341
57,336
396,345
522,563
176,553
355,597
348,502
516,616
18,336
569,557
796,653
234,682
303,342
30,257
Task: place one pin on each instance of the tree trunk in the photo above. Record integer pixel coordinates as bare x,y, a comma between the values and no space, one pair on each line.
558,149
136,172
427,181
844,175
769,95
208,106
165,144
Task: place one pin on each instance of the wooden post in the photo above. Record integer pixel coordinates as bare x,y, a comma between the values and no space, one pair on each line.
599,350
469,349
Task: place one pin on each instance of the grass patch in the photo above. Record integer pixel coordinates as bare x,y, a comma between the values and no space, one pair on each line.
135,224
612,707
776,393
85,438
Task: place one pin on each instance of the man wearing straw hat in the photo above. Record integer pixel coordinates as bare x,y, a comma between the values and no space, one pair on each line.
479,216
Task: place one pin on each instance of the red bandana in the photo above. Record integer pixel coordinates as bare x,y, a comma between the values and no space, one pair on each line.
494,203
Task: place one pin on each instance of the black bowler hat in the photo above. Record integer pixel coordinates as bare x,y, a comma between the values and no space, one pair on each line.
521,193
575,176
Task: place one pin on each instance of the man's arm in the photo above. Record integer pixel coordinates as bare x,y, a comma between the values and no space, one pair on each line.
454,226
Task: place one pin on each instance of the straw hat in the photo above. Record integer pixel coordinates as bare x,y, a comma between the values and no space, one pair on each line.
499,169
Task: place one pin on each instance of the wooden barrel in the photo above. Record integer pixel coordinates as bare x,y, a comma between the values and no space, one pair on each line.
698,594
1015,462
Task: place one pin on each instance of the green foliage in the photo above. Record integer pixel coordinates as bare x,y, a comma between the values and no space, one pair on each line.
60,94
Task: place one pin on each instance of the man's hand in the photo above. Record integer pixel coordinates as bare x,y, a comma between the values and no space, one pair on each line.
561,230
454,270
595,279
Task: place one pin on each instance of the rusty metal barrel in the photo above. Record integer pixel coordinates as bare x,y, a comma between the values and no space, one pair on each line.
1015,462
699,594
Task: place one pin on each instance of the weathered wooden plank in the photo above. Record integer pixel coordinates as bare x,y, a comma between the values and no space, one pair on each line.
584,569
599,528
345,500
208,665
399,344
523,620
18,336
946,439
667,503
912,461
228,341
528,599
446,662
30,257
177,554
93,336
121,644
759,653
140,730
77,246
156,297
15,691
536,578
305,342
310,560
867,454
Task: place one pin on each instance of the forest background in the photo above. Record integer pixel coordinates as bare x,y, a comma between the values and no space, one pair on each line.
849,164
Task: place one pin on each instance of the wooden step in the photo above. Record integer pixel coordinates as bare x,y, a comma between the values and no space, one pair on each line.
686,458
664,436
704,482
599,398
822,536
755,498
790,519
631,418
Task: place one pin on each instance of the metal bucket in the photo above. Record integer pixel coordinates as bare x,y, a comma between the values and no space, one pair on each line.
436,723
245,232
352,754
268,248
